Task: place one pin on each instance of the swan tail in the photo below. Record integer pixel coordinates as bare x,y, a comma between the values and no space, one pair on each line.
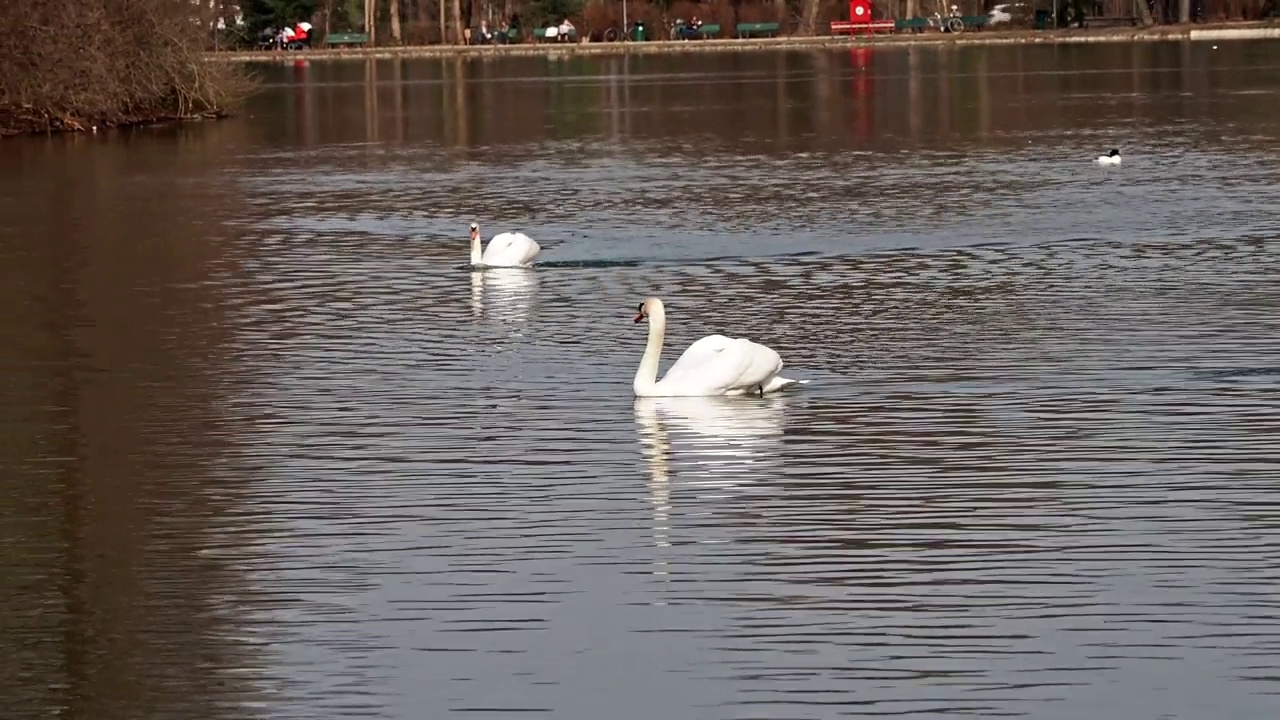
778,382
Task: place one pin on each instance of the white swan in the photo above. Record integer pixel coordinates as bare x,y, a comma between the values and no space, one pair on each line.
1111,158
714,365
508,249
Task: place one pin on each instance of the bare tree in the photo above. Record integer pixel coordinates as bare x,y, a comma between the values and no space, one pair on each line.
394,9
1143,13
457,21
371,20
809,17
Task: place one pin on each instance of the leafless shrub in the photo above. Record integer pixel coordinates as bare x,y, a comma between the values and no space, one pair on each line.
72,64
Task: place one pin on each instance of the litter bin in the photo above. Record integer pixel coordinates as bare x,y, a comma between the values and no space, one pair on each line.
1044,19
637,31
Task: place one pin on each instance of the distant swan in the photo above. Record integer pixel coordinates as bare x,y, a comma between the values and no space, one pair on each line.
714,365
508,249
1111,158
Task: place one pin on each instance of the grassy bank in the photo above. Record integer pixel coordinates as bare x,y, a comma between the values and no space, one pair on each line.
985,37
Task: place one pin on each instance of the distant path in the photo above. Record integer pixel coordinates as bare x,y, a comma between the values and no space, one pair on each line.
1228,31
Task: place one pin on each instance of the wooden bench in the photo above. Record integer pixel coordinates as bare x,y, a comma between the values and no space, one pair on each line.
916,25
540,35
1110,21
850,27
746,30
333,39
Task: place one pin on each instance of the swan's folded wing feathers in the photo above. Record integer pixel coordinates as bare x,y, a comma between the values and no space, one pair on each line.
499,246
531,248
713,364
691,361
764,364
511,248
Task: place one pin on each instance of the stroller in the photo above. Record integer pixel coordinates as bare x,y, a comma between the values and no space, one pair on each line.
297,37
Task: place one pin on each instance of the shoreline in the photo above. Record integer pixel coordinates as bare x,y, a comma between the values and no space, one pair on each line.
1157,33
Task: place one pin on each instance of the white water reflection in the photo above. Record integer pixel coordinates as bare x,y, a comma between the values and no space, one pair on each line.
720,444
506,294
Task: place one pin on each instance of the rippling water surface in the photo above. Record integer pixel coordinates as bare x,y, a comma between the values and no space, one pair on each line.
276,451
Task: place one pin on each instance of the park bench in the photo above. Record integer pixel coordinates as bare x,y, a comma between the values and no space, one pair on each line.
708,30
746,30
977,22
510,36
912,24
333,39
849,27
540,35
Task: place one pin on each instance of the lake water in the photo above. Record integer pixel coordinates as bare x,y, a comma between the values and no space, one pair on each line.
274,450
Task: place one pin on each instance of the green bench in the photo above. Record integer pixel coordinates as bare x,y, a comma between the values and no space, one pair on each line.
346,39
975,21
708,30
540,35
746,30
510,36
911,25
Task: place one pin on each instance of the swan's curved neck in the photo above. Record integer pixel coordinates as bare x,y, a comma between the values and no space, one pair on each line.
647,373
475,248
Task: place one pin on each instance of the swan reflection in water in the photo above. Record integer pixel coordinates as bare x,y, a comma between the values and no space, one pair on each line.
720,443
506,294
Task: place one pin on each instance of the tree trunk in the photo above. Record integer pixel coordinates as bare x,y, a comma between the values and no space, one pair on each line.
913,8
809,16
1184,11
457,21
506,12
394,9
371,21
1143,13
780,10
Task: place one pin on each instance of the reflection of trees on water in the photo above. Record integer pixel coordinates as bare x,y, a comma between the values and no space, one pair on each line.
762,102
111,604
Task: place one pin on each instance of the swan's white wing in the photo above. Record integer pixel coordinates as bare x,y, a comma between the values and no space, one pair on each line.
510,248
713,365
523,248
764,364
